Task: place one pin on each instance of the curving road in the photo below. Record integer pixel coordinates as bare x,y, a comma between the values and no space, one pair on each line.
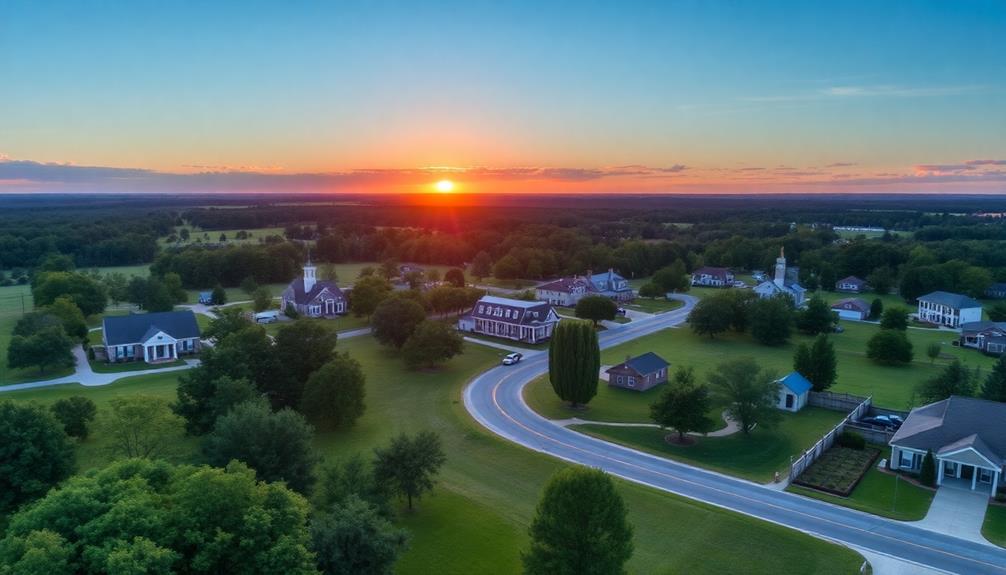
495,400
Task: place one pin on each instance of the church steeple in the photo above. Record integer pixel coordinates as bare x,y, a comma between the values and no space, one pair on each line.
310,273
780,269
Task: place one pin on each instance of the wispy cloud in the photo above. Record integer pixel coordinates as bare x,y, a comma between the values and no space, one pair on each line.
841,165
836,93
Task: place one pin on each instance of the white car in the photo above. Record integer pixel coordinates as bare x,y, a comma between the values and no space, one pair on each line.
512,358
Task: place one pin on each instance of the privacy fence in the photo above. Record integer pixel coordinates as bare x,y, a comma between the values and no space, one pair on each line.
836,401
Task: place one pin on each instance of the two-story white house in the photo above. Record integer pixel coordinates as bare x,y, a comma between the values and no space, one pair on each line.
519,320
564,291
708,276
949,309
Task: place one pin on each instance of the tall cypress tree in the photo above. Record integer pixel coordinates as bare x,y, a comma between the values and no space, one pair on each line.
574,359
825,370
994,387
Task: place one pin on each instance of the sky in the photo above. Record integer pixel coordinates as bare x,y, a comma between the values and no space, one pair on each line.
503,96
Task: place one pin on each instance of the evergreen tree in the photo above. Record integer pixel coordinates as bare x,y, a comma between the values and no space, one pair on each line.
994,387
876,309
824,365
803,363
927,474
574,359
955,379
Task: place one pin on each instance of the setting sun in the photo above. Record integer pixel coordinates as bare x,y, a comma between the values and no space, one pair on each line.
445,186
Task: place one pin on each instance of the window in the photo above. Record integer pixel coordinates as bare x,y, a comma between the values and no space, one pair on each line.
632,381
621,380
907,459
481,309
985,475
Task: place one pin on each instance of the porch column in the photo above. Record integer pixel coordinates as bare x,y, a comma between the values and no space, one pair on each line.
995,482
146,354
974,476
174,350
939,472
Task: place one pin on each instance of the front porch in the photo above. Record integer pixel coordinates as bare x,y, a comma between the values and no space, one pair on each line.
966,475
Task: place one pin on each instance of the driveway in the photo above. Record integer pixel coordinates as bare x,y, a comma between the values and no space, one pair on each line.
957,511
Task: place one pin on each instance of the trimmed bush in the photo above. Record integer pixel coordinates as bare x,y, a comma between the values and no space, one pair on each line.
852,440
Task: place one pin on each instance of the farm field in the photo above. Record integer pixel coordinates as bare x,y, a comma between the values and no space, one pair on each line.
476,519
213,236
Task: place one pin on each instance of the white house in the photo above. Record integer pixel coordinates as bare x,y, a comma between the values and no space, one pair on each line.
966,435
712,277
612,285
312,297
519,320
794,391
150,337
949,309
782,284
851,308
851,284
564,291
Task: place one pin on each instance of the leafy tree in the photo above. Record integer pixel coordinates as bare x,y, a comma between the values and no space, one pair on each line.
250,354
749,391
69,316
47,347
55,262
35,454
770,320
367,293
890,347
672,278
409,464
596,308
432,344
75,413
85,291
994,386
481,265
204,396
396,319
334,394
414,278
173,283
650,290
933,351
167,519
876,308
881,280
141,426
955,379
184,234
301,347
156,296
455,277
816,318
249,285
739,301
34,322
894,318
683,405
389,268
278,446
580,527
218,296
574,359
352,477
711,316
507,268
261,299
354,539
927,474
997,312
817,362
229,320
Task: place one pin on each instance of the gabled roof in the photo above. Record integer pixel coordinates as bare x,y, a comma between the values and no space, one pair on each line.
983,325
851,280
852,303
796,383
296,288
649,362
954,300
514,310
605,281
564,285
948,425
720,273
139,327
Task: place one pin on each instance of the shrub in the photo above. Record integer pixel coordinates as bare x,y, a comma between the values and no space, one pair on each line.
927,475
852,440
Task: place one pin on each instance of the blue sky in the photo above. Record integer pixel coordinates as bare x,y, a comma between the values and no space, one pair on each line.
372,93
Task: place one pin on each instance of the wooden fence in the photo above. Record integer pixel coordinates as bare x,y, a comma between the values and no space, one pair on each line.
803,462
835,401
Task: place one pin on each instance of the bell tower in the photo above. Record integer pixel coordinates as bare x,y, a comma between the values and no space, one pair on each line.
310,274
780,269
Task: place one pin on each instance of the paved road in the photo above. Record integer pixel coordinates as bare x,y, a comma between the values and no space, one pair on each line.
495,400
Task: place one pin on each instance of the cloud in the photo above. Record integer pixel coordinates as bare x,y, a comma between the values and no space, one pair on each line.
872,91
941,168
841,165
986,162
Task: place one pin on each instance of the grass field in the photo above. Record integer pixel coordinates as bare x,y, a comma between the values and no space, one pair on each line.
131,366
654,305
756,456
876,494
213,236
994,528
476,519
341,323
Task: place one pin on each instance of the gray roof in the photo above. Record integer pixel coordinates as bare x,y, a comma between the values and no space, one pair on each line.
853,303
649,362
851,280
139,327
983,325
954,300
514,311
296,288
956,423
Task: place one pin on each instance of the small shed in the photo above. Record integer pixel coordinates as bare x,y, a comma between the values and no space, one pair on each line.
794,391
206,297
639,373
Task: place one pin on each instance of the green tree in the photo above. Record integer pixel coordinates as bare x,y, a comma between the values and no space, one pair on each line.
301,348
140,426
46,348
882,279
817,362
876,309
482,265
367,293
409,465
249,285
574,360
334,394
455,277
580,527
650,290
596,308
816,318
955,379
890,347
218,296
927,474
204,396
683,405
749,391
894,318
352,477
389,269
156,296
86,292
933,351
278,446
229,320
396,319
354,539
432,344
711,316
35,453
997,311
672,278
994,386
142,516
75,413
69,316
262,299
173,283
770,320
507,268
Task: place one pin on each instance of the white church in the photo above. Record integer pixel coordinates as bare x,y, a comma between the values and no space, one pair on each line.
782,283
311,297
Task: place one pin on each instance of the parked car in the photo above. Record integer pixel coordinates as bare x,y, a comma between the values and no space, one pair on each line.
267,316
880,421
512,358
621,311
839,329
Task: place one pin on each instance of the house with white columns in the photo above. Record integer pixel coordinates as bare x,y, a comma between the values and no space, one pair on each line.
967,437
150,337
519,320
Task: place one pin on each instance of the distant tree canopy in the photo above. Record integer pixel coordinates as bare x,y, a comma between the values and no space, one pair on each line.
87,293
35,452
200,267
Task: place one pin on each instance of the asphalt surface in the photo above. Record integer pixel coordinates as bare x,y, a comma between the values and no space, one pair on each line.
495,400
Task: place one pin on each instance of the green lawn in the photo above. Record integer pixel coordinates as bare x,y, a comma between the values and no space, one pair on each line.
234,293
876,494
654,305
756,456
214,236
126,367
141,270
13,301
339,324
994,528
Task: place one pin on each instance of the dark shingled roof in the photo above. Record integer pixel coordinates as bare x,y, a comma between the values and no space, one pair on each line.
512,310
301,298
949,425
649,362
564,285
851,280
954,300
853,303
137,328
